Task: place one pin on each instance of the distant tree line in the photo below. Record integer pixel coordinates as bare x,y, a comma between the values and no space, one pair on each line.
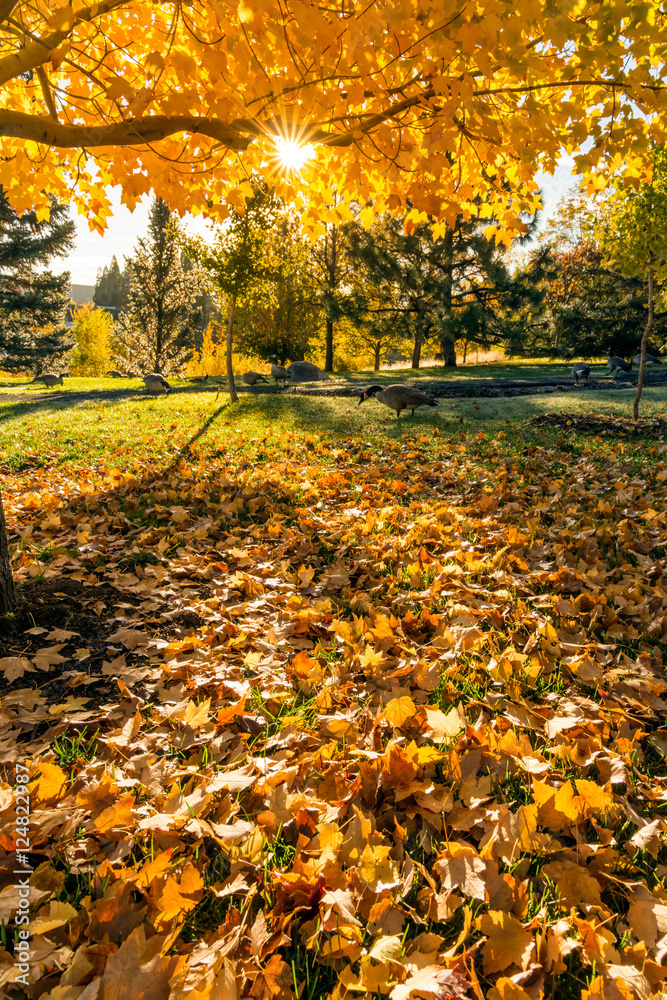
349,294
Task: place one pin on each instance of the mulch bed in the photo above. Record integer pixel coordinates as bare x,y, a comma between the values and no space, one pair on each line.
599,424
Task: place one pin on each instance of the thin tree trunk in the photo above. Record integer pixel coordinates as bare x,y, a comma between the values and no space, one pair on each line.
7,594
642,363
328,363
331,261
233,395
417,352
465,350
447,344
377,349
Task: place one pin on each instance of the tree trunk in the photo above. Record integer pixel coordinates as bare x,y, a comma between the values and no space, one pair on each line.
7,594
231,385
417,352
447,343
448,351
331,260
465,350
377,349
642,363
328,363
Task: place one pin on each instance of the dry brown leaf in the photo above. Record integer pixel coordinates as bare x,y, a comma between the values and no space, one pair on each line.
433,983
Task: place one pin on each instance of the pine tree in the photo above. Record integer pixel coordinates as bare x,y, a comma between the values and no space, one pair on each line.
454,286
156,330
112,286
33,301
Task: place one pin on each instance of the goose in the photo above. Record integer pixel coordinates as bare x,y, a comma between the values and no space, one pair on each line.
580,370
131,375
650,359
617,365
114,374
49,379
155,382
280,374
198,378
252,378
397,397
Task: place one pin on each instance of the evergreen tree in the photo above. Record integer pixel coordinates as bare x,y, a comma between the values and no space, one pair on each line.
332,270
33,301
156,330
206,304
446,288
112,286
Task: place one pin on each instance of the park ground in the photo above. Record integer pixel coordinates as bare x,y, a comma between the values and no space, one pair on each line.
319,702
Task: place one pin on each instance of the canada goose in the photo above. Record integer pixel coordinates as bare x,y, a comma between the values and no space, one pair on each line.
49,379
650,359
198,378
580,370
280,374
154,382
617,365
397,397
114,374
252,378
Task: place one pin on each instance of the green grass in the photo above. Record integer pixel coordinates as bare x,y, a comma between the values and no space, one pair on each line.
115,387
126,433
76,749
518,369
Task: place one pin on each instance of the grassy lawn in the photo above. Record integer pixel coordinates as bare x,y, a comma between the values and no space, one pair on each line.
122,431
517,369
356,695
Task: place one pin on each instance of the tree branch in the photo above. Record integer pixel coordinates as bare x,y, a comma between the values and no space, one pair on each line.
133,132
39,51
46,92
6,8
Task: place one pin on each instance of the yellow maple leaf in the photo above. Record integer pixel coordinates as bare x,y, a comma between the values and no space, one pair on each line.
174,899
377,869
117,816
508,942
49,784
196,715
399,710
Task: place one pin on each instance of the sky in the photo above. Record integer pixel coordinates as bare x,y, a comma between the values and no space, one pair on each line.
93,251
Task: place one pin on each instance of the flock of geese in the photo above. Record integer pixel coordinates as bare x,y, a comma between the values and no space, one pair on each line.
615,365
397,397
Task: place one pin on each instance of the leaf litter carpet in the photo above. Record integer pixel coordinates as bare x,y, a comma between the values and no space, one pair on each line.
385,728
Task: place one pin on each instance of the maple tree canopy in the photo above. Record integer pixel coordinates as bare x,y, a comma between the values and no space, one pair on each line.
412,100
